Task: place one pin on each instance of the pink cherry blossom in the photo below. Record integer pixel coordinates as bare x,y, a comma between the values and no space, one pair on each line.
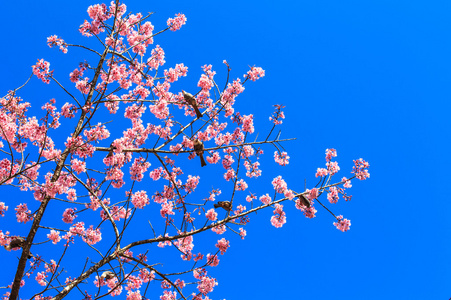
347,183
342,224
330,153
241,185
55,41
248,123
222,245
40,278
206,285
332,195
219,229
140,199
265,199
3,209
168,295
242,233
211,215
92,236
69,215
279,218
360,169
23,213
54,236
281,158
177,22
212,260
42,70
332,167
279,185
255,73
321,172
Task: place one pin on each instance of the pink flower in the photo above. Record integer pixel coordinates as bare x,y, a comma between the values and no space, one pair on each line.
279,218
342,224
241,185
3,209
55,41
54,236
360,169
282,158
166,209
332,196
330,153
134,295
277,115
265,199
173,75
279,184
211,215
40,278
167,295
146,276
133,282
138,168
42,70
69,215
222,245
191,183
333,167
23,213
312,194
255,73
248,123
140,199
320,172
212,260
206,285
347,183
78,166
242,233
250,197
230,174
68,110
157,58
177,22
92,236
219,229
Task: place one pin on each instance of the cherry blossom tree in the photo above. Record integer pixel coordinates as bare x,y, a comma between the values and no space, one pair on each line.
112,177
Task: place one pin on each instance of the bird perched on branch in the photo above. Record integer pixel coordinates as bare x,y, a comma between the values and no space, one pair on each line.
192,101
17,242
112,148
304,201
199,148
107,275
224,204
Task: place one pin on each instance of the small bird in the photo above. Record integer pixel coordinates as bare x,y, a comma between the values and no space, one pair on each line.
224,204
17,242
304,201
199,148
107,275
192,101
110,153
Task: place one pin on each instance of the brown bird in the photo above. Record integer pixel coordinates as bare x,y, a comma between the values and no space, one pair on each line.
110,153
224,204
192,101
107,275
304,201
17,242
199,148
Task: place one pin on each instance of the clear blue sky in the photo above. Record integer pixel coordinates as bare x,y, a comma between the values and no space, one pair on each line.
368,78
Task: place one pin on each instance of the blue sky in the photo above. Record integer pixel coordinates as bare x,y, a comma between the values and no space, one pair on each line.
368,78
